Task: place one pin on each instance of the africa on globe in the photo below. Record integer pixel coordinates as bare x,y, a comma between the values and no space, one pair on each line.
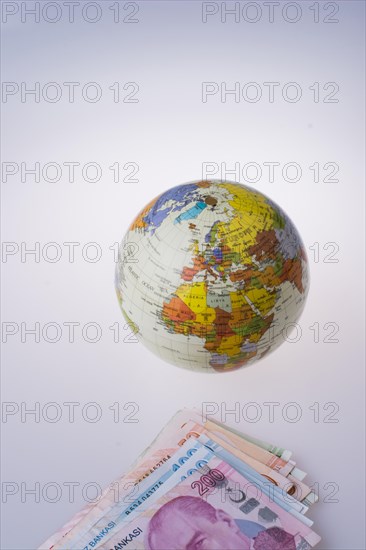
210,275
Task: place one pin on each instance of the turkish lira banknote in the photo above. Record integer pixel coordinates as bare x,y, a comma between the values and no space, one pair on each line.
185,447
216,508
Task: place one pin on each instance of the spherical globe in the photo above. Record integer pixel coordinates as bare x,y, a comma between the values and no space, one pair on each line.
212,275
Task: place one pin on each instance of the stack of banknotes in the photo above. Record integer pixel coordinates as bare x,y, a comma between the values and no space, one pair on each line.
199,486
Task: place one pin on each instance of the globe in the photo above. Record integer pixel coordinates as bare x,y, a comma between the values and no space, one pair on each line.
212,275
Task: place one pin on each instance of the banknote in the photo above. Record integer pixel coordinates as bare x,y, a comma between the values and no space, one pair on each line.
195,430
160,450
274,493
290,485
278,467
58,535
106,511
185,461
154,456
274,449
214,508
234,445
191,456
196,414
258,453
282,453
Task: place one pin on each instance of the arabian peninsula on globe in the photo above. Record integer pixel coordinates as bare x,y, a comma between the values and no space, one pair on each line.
211,275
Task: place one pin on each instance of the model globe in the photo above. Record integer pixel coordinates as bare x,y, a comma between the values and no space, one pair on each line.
212,275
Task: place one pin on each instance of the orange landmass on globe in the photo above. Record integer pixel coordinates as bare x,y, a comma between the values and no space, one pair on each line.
138,222
176,310
189,272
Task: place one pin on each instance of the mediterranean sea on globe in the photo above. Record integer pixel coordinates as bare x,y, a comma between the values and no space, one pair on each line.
212,275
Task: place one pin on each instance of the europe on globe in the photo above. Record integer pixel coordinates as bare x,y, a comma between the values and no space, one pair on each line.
211,275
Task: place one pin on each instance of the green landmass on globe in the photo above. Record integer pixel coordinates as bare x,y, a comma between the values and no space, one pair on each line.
210,275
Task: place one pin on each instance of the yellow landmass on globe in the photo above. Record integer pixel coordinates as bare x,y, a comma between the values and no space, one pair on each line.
263,299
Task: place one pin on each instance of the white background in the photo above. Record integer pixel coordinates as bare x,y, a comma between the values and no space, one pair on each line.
170,132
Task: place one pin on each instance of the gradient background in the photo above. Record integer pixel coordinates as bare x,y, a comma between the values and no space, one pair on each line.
169,133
